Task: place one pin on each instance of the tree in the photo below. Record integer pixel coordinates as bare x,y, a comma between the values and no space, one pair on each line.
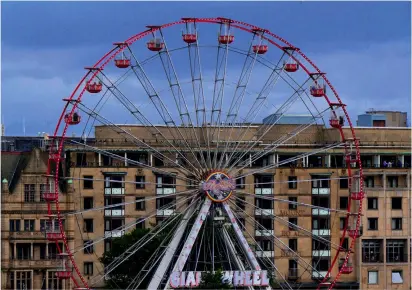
124,274
214,280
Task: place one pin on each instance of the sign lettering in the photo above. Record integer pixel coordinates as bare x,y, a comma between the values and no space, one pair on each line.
235,278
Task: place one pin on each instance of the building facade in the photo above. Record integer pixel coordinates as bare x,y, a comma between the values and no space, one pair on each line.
374,118
382,254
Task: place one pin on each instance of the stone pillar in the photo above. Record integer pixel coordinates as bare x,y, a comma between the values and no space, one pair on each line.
250,159
125,159
150,159
277,160
100,159
31,251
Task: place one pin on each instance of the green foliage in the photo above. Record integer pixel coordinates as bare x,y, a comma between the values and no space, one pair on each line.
212,280
127,270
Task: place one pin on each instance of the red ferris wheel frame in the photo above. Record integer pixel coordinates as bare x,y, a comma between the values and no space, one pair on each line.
271,38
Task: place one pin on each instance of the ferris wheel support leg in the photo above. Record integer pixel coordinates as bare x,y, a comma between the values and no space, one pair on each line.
187,247
171,249
232,249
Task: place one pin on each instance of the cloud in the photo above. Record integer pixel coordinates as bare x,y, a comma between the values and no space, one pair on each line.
33,83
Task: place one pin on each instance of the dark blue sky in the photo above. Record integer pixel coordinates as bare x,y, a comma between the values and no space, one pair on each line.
363,46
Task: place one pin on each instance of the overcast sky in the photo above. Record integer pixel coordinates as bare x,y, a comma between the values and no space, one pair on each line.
363,47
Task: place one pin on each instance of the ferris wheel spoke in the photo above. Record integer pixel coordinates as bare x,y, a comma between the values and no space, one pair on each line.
178,96
130,161
142,219
281,111
285,247
343,212
133,138
138,245
296,158
272,146
268,259
241,87
197,85
257,105
161,109
219,87
298,228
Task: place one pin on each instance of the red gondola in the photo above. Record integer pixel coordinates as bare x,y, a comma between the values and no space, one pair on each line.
260,49
291,67
54,236
317,91
189,38
50,196
64,274
122,63
72,119
357,195
226,39
155,44
94,88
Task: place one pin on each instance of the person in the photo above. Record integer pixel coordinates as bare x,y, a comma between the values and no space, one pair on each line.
385,164
399,164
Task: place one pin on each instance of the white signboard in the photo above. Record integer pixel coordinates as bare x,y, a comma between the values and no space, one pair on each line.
235,278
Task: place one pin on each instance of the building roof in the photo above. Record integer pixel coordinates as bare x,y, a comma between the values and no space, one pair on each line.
12,164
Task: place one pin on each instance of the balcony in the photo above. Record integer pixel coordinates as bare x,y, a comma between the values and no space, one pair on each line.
264,233
321,253
321,191
114,191
319,274
35,263
165,212
293,274
114,212
38,235
113,234
321,232
264,191
264,212
317,211
163,191
265,254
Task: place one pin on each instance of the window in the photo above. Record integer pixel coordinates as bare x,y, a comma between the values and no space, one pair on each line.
369,181
372,224
372,203
87,202
392,181
29,225
88,182
44,188
323,245
293,182
343,182
342,221
14,225
396,202
140,182
373,277
140,224
320,181
241,222
88,268
292,223
291,204
240,183
140,203
23,280
88,225
345,244
397,224
397,277
240,203
53,281
265,245
81,159
371,251
343,202
320,265
29,192
293,244
396,251
88,247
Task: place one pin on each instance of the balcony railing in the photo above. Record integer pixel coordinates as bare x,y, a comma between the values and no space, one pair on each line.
114,212
165,212
262,211
317,211
321,253
265,254
293,274
372,258
321,191
319,274
114,191
264,233
113,234
264,191
321,232
165,190
397,259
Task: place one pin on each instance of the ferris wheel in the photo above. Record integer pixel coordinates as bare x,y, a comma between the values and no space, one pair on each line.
183,103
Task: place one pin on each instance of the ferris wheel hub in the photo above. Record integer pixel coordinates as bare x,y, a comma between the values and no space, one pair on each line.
218,186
